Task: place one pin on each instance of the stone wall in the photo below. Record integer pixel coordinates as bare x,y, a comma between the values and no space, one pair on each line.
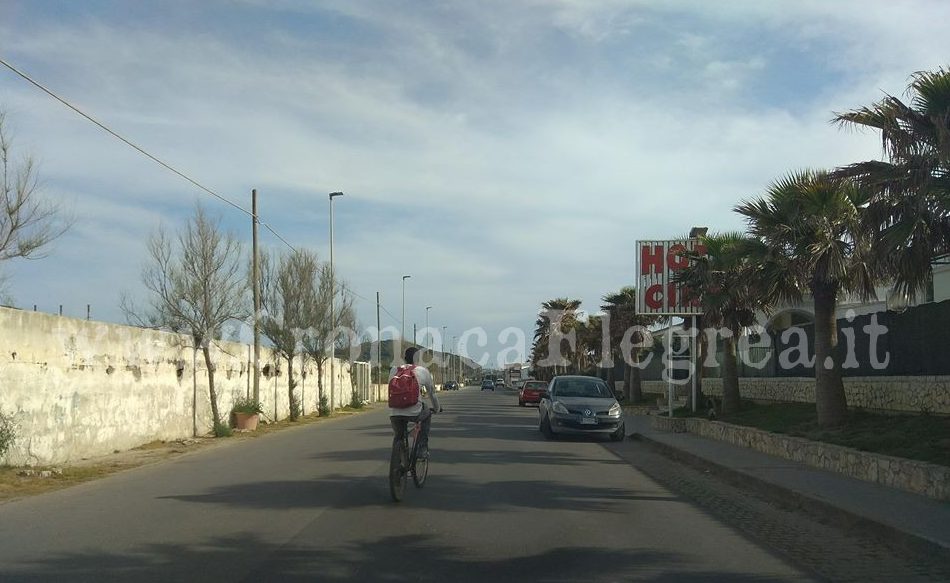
913,476
929,394
80,388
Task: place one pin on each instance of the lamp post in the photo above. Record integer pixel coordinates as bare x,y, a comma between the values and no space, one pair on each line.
404,278
442,354
455,372
332,299
427,325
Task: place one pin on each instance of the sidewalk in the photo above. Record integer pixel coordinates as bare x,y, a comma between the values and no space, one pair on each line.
901,517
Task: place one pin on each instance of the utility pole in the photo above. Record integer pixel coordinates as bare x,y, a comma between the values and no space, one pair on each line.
379,349
428,344
256,276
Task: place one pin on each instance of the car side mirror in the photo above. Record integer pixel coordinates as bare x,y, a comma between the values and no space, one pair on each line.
619,395
543,393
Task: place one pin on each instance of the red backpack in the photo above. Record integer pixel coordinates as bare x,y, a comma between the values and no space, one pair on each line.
404,388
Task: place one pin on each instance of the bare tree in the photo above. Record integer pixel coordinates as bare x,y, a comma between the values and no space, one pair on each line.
321,338
198,284
28,223
289,289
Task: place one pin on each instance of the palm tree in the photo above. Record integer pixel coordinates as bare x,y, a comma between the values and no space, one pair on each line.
559,314
621,306
724,280
910,192
811,226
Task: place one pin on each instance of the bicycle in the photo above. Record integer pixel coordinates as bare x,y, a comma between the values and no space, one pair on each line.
404,460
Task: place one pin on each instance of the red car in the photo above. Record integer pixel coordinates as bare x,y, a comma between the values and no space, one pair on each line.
531,392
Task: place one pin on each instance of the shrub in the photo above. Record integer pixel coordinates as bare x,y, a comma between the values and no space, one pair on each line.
324,407
247,405
294,406
222,430
355,401
7,433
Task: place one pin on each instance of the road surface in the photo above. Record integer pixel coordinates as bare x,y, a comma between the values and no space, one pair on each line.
312,503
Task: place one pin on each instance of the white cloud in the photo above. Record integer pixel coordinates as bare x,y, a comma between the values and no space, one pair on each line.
549,153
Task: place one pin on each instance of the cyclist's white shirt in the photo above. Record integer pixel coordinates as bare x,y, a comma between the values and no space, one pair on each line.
425,382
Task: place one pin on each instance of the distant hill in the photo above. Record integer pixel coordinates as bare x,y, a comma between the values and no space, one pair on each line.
368,354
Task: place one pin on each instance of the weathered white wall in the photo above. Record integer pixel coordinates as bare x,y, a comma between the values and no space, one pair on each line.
80,388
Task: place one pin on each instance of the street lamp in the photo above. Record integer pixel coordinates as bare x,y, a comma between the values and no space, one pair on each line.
332,298
455,372
404,278
442,353
427,322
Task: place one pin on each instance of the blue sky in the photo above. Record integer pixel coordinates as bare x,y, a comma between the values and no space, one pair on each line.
502,152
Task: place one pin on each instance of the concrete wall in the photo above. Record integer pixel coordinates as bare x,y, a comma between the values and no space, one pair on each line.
80,388
904,394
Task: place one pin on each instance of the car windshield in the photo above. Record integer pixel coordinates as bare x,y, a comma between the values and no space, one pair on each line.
540,385
582,388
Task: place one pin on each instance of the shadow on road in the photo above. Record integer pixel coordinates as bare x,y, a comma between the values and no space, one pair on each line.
443,493
246,557
445,455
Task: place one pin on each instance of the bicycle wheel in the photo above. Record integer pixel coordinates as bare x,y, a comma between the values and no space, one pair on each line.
397,471
420,469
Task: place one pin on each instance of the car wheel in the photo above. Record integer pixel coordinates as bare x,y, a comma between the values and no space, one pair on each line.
619,434
546,428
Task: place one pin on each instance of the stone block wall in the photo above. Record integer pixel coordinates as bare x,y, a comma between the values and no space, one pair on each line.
80,388
910,475
924,394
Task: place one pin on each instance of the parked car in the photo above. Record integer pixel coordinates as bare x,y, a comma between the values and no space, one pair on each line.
488,384
580,405
531,392
499,383
450,386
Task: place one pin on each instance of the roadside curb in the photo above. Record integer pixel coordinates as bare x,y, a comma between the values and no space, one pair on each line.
788,497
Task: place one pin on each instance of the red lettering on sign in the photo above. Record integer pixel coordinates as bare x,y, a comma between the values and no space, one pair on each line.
654,297
651,262
674,259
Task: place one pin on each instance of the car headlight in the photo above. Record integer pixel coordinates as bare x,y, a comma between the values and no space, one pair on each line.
615,410
560,408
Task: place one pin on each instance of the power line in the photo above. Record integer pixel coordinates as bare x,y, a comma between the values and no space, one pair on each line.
163,164
140,150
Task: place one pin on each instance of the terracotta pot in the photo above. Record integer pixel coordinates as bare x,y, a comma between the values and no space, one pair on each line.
246,421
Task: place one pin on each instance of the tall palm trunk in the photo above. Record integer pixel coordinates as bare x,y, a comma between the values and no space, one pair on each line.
730,375
830,400
636,385
206,351
627,384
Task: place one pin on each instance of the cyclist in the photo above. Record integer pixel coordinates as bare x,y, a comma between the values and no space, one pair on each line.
418,412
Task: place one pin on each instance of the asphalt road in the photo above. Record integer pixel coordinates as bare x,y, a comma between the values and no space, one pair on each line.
312,503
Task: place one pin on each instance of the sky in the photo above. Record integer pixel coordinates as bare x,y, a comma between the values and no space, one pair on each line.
501,152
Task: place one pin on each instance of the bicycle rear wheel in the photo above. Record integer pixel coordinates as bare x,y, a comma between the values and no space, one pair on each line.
397,471
420,470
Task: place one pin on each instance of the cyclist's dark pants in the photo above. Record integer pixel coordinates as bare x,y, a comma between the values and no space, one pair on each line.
400,423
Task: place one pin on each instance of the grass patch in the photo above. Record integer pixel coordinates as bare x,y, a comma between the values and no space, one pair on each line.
917,437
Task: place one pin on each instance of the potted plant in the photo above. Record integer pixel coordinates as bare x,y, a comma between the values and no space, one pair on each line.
247,412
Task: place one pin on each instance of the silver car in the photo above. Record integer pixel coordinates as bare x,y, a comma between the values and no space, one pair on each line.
580,405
